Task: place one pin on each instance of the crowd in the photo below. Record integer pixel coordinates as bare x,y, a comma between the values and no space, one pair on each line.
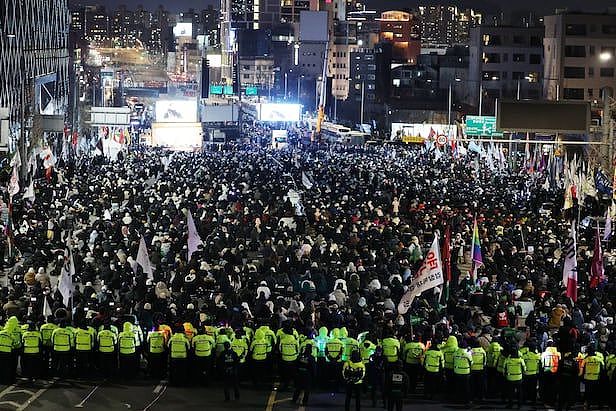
304,256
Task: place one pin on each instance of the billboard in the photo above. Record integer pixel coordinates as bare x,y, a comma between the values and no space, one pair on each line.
183,30
280,112
110,116
313,26
543,116
176,111
419,133
279,138
177,136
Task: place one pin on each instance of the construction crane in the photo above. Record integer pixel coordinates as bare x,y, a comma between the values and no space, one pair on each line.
321,104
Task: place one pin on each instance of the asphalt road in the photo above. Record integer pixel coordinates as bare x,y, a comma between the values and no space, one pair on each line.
149,395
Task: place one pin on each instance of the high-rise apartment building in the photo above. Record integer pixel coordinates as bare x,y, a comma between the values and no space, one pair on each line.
446,25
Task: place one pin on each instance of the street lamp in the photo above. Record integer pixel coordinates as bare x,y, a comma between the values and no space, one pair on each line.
605,56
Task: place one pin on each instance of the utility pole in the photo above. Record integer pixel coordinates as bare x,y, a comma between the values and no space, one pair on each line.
363,96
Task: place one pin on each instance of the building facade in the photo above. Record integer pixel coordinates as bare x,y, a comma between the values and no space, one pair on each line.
446,25
503,60
402,31
580,55
33,43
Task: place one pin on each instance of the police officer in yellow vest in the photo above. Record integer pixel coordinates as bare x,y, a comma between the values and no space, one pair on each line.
259,349
492,353
413,353
513,371
127,342
203,346
31,358
84,345
13,328
462,364
478,370
240,346
7,366
289,351
46,331
448,349
353,373
434,362
532,360
178,355
391,349
156,355
333,354
63,342
107,354
590,371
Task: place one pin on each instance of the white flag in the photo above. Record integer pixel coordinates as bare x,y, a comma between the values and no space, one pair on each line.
306,181
608,226
143,259
46,308
430,275
194,241
65,284
14,183
16,160
29,193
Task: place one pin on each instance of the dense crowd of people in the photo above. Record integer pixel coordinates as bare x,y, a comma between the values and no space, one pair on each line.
304,256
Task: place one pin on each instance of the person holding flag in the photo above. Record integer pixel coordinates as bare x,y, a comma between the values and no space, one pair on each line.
597,274
476,257
429,275
570,266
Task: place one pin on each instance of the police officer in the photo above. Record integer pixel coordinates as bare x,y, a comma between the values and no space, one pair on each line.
413,353
240,346
568,384
610,366
306,370
376,369
396,386
47,347
591,369
462,363
289,351
227,364
492,355
434,362
63,342
7,366
13,328
203,349
391,349
449,349
155,351
107,354
513,371
550,359
178,354
353,373
31,358
84,344
532,361
333,353
127,342
259,349
478,377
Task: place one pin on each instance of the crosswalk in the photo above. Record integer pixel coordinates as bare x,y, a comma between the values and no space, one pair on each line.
23,393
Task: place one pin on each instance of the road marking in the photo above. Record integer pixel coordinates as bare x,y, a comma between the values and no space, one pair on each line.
160,386
32,399
272,397
80,405
162,392
11,403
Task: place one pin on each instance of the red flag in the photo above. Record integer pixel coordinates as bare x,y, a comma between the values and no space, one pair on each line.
597,274
447,254
75,138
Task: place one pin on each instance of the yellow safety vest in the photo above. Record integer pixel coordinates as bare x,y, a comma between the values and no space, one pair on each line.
532,361
6,341
127,343
32,342
83,340
259,349
178,345
156,342
61,340
479,359
106,341
514,369
413,352
46,331
289,348
433,360
592,368
203,345
462,362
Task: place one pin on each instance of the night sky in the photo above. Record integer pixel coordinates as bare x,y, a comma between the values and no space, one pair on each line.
539,6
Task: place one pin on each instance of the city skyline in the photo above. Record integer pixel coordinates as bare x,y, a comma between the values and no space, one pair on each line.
545,7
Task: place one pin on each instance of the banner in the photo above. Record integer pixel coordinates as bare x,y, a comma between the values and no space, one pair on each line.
430,275
570,265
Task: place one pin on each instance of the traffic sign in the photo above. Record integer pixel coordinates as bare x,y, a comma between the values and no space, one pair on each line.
215,89
252,91
228,90
482,126
441,140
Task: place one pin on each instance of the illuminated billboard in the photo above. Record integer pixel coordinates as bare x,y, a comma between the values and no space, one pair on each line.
419,133
177,136
176,111
182,30
544,116
280,112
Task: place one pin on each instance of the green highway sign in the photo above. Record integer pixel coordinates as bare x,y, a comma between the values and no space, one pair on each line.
214,89
252,91
482,126
228,90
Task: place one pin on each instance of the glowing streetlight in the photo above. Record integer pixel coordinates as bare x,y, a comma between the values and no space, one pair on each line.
605,56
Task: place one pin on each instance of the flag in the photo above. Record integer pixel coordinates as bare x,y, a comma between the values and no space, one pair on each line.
607,233
143,259
194,241
603,183
14,183
476,257
29,193
16,160
597,274
65,284
430,275
306,181
570,265
46,308
447,260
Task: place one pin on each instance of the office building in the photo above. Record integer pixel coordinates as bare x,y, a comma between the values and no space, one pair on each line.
446,25
402,31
